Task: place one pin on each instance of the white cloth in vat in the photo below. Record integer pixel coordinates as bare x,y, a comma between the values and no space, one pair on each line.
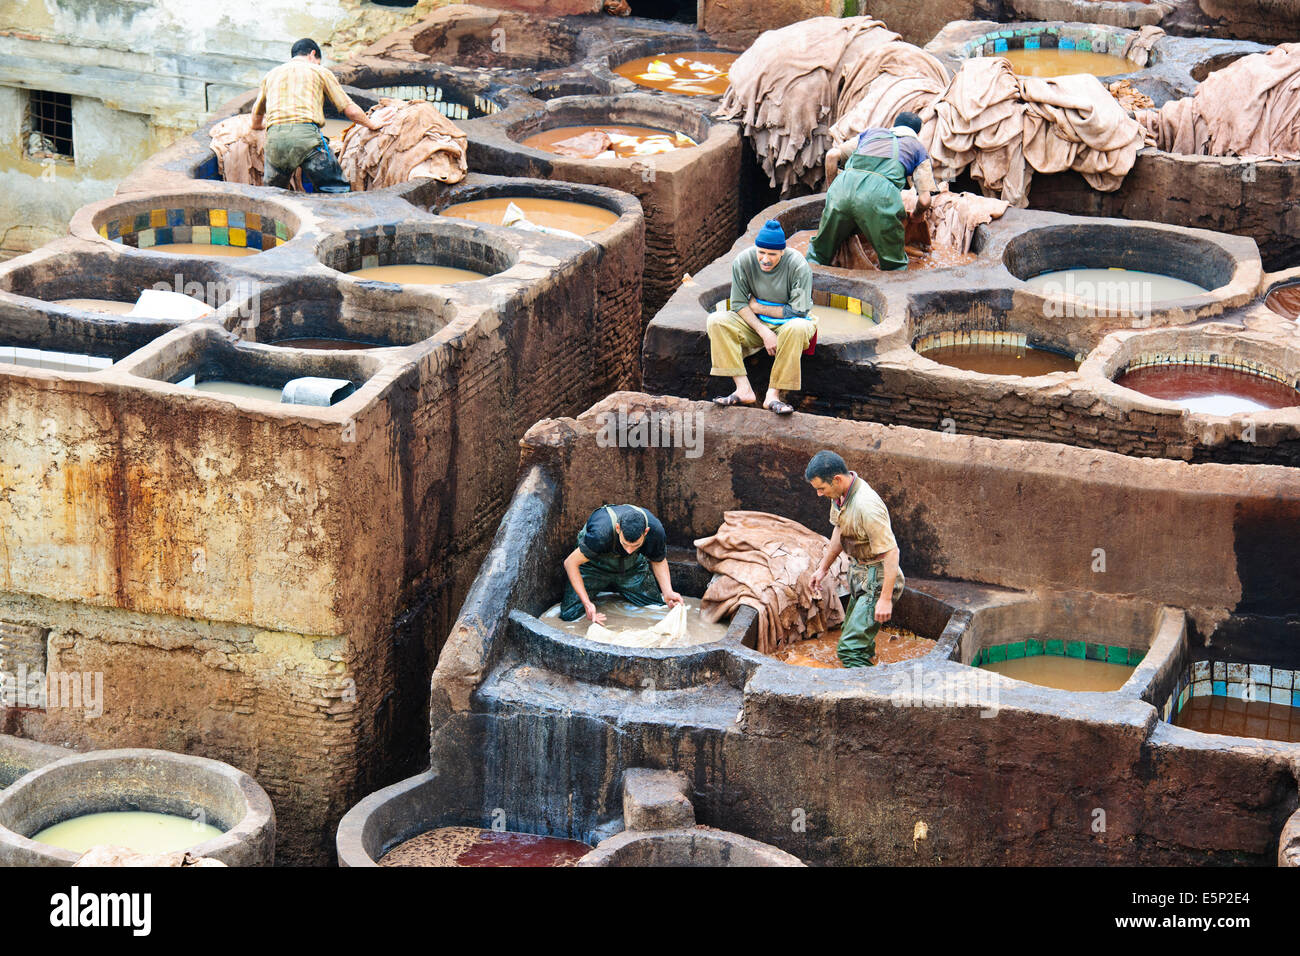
669,632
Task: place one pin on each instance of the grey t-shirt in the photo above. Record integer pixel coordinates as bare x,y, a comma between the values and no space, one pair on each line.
789,284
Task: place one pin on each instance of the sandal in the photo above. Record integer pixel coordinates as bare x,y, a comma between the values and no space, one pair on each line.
780,407
728,401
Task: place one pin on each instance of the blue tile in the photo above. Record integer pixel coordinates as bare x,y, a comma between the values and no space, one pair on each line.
1066,44
1000,46
1295,698
235,219
1220,688
254,239
162,237
175,217
1031,43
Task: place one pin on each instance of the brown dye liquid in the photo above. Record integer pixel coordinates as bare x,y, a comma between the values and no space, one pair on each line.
1054,62
418,274
1285,301
201,249
692,73
112,306
893,644
1064,673
1240,718
629,141
917,257
620,615
470,846
334,128
1210,390
579,217
1001,359
323,344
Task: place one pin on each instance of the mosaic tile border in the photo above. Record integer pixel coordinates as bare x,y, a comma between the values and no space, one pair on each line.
1087,40
1276,685
1080,650
830,299
202,226
1208,359
453,106
960,337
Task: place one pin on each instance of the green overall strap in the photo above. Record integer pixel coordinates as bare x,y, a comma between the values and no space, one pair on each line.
613,518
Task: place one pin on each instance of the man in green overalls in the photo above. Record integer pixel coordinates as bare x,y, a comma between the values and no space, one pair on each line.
624,549
867,196
862,529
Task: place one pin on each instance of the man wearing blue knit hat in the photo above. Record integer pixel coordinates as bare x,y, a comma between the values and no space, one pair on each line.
770,308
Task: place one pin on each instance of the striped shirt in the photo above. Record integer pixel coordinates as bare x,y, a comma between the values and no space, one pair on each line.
295,92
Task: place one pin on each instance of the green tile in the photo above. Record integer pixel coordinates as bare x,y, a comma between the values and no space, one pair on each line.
220,236
281,230
1033,648
1096,652
1055,648
1015,650
997,653
1135,656
1076,649
1116,655
1085,45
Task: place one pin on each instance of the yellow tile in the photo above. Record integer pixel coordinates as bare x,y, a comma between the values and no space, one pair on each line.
217,217
238,237
157,218
855,306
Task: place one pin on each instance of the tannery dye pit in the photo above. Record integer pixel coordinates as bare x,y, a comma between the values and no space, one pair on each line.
596,142
689,72
1210,389
1058,62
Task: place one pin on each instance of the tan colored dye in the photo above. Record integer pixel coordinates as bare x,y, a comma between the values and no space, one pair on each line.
833,321
622,616
629,141
1001,359
691,73
1053,62
1063,673
240,390
144,832
893,644
418,274
1113,288
111,306
1241,718
578,217
201,249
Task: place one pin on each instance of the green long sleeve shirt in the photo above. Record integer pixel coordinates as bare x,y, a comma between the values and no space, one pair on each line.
789,284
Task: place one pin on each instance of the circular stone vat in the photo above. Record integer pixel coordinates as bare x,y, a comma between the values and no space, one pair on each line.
684,72
494,40
456,95
622,617
208,224
1145,254
700,846
994,353
1285,300
607,141
581,219
1209,385
1041,49
476,847
313,313
1236,699
153,781
411,254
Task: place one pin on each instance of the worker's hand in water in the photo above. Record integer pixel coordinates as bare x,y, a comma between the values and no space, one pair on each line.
769,341
884,609
593,615
672,599
815,585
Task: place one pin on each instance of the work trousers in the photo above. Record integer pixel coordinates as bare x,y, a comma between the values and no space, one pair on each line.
291,146
731,338
857,646
864,198
631,577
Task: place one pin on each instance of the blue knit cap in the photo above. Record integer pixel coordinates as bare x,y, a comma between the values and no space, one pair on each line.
771,236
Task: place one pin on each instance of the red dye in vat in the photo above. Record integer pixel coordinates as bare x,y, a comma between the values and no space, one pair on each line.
471,846
1285,301
1240,718
1210,389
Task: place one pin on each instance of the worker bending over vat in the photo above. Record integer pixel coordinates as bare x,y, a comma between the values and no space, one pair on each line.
291,107
770,308
862,530
868,196
622,548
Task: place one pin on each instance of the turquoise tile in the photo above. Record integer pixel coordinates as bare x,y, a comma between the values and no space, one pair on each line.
997,653
1220,688
1015,650
1033,648
1055,648
1076,649
1116,655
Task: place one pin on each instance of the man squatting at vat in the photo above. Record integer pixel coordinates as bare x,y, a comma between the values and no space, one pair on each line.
622,548
868,196
291,107
862,529
770,307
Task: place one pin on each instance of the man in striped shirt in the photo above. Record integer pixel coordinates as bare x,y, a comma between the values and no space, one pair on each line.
291,107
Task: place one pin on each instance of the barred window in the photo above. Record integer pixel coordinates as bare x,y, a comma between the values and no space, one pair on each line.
48,126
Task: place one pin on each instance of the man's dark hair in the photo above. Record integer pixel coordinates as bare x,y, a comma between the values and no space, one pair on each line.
632,525
909,119
825,465
308,45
